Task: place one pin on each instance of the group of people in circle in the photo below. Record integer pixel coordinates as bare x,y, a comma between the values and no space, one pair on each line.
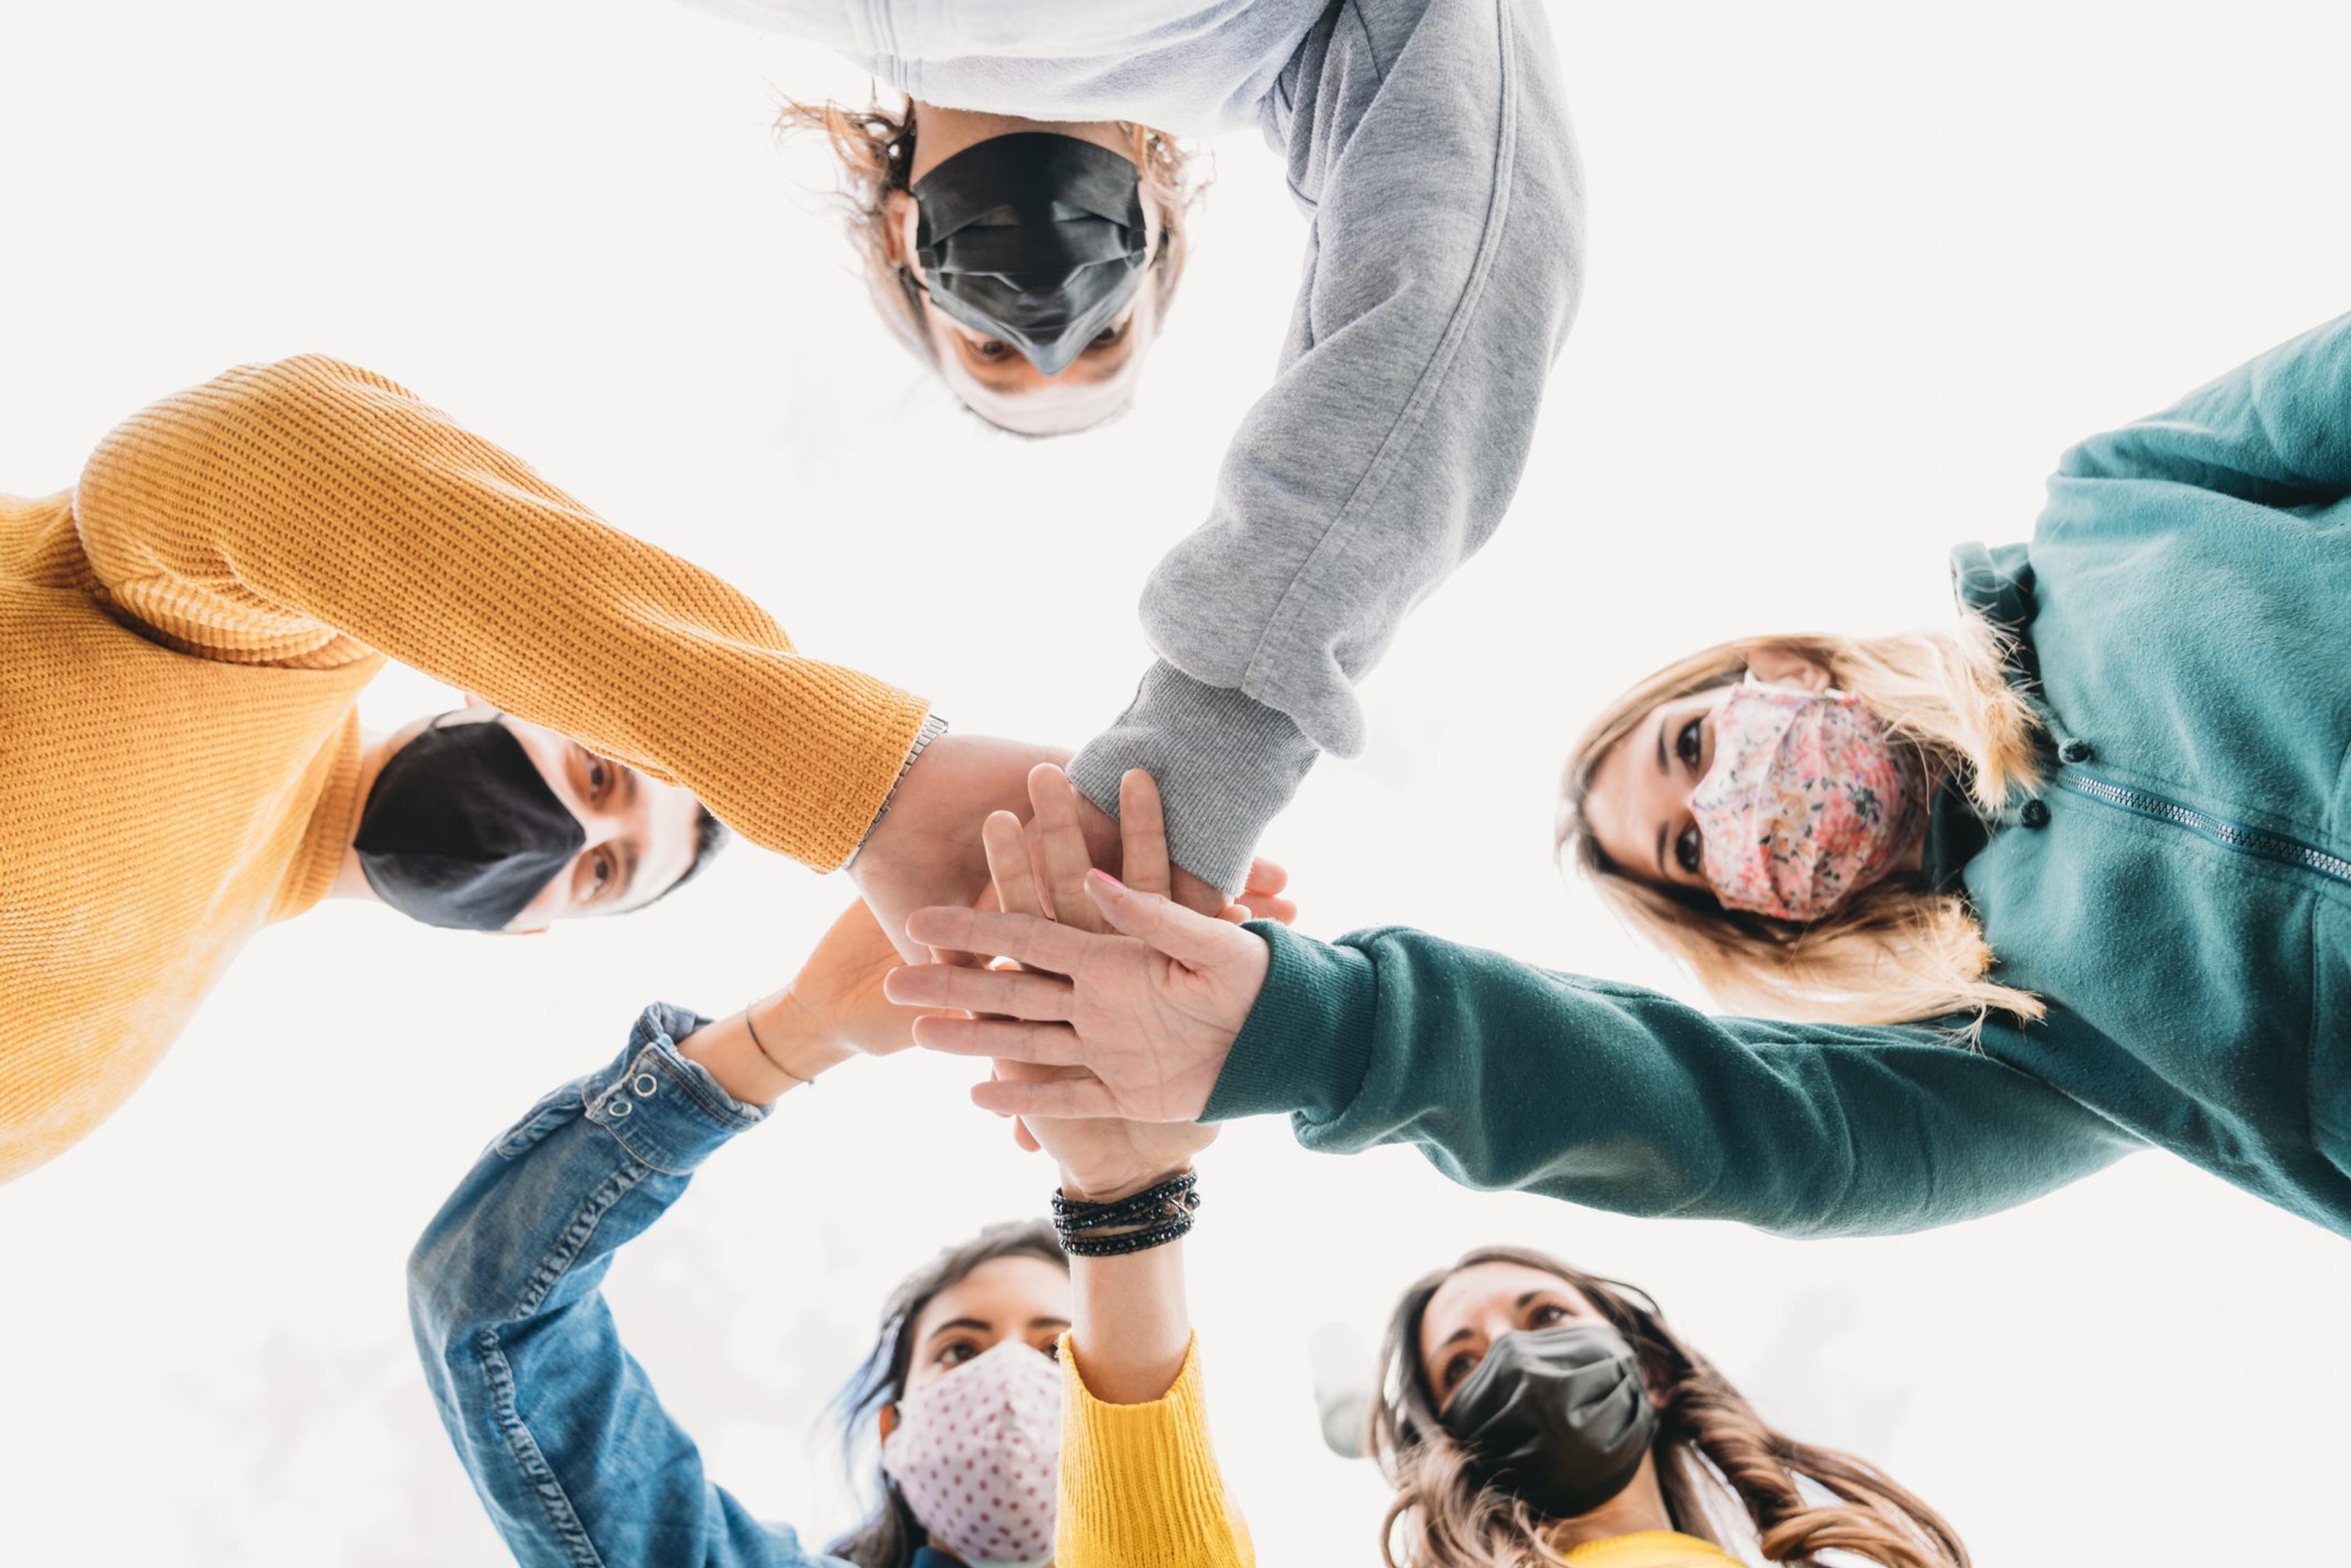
2065,879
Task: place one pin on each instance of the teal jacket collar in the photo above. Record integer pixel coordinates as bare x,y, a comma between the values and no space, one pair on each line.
1997,584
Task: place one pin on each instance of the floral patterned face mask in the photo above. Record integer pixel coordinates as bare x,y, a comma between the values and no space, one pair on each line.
1808,801
977,1455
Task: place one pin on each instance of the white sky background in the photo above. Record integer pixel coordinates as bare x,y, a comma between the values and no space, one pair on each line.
1856,279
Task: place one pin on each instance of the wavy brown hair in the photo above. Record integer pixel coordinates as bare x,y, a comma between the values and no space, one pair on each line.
875,148
1710,1447
1898,951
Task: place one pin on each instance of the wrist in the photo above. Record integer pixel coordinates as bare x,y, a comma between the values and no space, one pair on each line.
1111,1187
796,1045
933,728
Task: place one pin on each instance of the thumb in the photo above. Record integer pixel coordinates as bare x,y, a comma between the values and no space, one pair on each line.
1195,941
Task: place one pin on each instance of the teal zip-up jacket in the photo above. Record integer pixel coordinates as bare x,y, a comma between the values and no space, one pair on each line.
2177,889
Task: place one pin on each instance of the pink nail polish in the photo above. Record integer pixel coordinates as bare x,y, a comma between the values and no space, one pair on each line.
1108,879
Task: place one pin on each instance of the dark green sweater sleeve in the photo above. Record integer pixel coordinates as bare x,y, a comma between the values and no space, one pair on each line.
1508,1076
2275,432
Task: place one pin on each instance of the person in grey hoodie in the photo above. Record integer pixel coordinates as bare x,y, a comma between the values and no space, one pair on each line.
1428,143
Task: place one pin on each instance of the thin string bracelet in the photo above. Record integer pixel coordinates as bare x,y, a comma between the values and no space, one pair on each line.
753,1031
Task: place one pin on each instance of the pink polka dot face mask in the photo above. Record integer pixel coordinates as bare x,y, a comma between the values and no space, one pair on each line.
1808,801
977,1455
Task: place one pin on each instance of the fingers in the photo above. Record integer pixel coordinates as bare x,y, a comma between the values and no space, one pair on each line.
1265,876
1024,938
1058,845
1026,1139
1044,1044
1197,941
1142,835
1054,1097
1266,907
1011,992
1007,865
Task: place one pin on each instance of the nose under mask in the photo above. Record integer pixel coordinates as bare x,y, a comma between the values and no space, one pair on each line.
1559,1417
460,830
977,1455
1808,803
1035,238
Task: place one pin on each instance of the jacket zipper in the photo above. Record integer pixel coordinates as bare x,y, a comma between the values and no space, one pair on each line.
2233,835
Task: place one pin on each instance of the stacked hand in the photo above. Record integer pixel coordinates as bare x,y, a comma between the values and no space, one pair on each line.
1135,1021
926,848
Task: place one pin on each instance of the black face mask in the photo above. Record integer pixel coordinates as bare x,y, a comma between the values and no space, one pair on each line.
461,831
1558,1416
1035,238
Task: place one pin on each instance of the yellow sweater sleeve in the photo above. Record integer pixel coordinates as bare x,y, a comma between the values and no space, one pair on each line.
1140,1486
307,513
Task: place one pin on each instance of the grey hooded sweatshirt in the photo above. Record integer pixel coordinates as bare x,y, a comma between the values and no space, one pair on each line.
1428,143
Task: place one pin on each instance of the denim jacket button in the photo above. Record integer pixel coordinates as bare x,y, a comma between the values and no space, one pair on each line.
2035,814
644,1083
2075,751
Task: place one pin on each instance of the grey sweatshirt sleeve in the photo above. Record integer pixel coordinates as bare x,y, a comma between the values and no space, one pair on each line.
1428,141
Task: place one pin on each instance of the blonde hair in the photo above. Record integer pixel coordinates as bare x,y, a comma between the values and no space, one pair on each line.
1897,952
1711,1448
875,146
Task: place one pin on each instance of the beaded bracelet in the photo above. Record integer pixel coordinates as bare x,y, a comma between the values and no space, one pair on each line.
1152,1217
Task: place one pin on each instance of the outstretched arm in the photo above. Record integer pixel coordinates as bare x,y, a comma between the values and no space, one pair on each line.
568,1446
309,513
1431,144
2276,431
1506,1075
1139,1482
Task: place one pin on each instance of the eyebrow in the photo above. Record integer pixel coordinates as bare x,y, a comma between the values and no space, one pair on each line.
982,1326
1519,1305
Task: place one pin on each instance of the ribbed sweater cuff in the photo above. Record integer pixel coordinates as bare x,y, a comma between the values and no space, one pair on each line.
1307,1044
1226,764
1140,1486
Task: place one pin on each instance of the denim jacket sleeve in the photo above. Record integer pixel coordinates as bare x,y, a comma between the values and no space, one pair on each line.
567,1444
2275,432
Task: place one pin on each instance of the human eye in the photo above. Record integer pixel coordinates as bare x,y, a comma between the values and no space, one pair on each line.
990,349
953,1351
1688,850
1461,1366
1108,334
1545,1314
600,871
1689,745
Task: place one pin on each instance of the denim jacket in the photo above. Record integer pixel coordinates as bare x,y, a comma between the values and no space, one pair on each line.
566,1441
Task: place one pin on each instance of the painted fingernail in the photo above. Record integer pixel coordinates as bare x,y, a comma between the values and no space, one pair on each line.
1107,880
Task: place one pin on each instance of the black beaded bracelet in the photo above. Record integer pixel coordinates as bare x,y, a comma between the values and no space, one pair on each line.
1127,1241
1152,1217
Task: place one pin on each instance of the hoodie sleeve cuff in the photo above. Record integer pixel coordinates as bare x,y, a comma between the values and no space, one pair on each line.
1226,764
1307,1044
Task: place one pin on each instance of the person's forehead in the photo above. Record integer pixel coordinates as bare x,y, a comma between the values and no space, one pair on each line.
1469,1291
669,825
1018,1288
1612,805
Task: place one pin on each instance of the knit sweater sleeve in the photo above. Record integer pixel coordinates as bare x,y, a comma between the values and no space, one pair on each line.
1140,1486
307,513
1508,1076
2275,431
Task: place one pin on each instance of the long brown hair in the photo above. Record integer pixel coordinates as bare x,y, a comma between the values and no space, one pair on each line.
891,1532
876,147
1897,952
1711,1446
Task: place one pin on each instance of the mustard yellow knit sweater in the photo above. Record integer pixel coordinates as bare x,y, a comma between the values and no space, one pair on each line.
1140,1486
187,630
